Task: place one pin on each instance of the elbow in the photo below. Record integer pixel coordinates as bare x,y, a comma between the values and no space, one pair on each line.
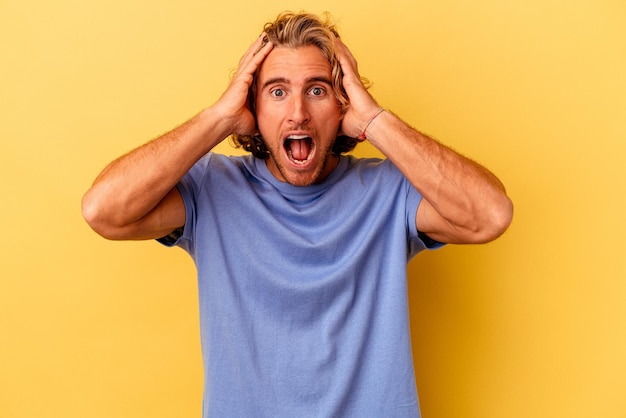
497,221
95,214
478,224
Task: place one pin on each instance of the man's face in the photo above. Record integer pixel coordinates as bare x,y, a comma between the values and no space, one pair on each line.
298,114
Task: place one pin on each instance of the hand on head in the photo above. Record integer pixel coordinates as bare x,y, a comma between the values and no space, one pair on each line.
234,103
362,105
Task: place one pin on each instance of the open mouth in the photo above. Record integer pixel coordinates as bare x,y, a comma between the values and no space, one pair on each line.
299,148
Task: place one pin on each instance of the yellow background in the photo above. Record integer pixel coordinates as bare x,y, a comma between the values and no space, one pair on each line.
532,325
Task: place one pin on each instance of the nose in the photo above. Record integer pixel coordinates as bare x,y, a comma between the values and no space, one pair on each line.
299,112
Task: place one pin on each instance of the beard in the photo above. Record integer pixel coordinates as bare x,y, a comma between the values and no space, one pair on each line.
302,179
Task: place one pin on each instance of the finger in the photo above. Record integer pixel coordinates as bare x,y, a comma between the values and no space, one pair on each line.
255,54
346,59
261,53
253,48
362,104
351,78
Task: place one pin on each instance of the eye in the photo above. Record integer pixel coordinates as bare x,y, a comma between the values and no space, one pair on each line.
317,91
277,92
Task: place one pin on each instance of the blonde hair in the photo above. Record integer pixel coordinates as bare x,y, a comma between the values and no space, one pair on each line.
295,30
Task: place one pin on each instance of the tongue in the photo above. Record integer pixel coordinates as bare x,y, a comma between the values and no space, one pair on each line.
300,149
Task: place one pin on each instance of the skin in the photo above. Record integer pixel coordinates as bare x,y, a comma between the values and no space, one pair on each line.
135,196
295,97
463,202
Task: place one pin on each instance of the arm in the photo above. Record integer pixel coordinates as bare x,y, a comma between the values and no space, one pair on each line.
135,196
462,201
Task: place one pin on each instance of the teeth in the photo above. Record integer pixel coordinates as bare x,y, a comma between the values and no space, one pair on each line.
290,155
288,148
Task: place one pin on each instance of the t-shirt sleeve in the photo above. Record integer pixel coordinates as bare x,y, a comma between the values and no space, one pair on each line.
188,188
417,239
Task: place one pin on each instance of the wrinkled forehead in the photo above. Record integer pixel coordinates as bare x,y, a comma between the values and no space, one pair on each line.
294,64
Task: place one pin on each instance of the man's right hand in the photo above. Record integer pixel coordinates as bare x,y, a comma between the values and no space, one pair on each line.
233,106
135,196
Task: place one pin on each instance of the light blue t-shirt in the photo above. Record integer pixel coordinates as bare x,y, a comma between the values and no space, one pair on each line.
303,293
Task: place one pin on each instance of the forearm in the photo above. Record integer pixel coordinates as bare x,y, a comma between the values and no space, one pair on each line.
135,197
130,187
471,202
462,201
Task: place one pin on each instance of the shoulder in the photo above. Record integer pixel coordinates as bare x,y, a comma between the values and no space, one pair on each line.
214,170
227,161
219,163
372,168
369,163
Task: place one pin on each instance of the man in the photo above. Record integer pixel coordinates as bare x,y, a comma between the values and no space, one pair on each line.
301,251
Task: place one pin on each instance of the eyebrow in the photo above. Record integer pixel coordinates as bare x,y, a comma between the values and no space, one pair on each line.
283,80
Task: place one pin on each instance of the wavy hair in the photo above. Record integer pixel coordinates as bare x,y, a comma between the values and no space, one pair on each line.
295,30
